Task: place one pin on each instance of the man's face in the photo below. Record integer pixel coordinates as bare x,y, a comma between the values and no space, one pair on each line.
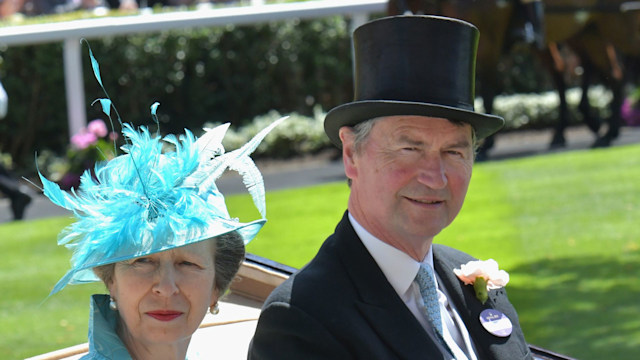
409,178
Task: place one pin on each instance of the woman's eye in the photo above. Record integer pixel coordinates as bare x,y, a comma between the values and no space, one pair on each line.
140,262
189,263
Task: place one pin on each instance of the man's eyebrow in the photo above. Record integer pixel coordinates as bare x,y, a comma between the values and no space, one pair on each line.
461,144
406,139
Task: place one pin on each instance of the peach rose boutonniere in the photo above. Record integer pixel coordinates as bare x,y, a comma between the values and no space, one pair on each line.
483,275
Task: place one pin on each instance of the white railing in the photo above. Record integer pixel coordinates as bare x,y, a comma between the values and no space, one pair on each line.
71,32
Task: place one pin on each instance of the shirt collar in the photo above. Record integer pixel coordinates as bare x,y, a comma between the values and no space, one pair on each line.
103,339
399,268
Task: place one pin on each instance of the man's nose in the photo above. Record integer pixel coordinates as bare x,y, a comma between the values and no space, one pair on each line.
431,171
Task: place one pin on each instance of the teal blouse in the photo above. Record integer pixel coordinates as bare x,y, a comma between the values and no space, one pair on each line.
104,343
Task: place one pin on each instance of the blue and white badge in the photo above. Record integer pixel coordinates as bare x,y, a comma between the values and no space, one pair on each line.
496,322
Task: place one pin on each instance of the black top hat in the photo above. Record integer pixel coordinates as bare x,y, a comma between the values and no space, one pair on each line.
413,65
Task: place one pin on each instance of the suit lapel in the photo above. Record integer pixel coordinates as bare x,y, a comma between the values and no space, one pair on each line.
469,307
463,298
378,302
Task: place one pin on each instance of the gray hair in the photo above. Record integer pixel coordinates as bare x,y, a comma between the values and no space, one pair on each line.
228,254
361,132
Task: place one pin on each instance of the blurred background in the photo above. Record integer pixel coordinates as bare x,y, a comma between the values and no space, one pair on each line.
563,73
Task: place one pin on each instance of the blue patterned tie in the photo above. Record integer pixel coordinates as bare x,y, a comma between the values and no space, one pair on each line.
430,297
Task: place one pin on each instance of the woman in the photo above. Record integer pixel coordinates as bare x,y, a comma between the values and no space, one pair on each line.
152,225
161,299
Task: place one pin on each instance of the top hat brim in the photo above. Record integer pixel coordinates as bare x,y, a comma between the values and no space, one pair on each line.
353,113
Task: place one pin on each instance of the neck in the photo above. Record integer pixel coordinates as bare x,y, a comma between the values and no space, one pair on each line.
153,351
416,247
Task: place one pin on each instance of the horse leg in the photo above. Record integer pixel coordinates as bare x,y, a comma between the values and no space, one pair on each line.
585,108
558,139
488,95
616,83
551,59
614,120
417,7
397,7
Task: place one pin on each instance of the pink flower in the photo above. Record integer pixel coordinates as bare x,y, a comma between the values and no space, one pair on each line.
630,112
98,127
83,140
483,275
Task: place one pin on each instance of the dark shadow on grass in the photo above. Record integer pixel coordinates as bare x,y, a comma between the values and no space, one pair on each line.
587,307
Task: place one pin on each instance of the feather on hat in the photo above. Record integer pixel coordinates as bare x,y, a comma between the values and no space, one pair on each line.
147,200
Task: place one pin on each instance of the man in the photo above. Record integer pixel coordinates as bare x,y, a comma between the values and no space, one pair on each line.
9,185
532,12
408,145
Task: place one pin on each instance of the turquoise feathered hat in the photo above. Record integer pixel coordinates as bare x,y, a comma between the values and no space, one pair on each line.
148,200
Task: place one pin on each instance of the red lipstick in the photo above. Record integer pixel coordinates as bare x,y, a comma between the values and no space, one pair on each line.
164,315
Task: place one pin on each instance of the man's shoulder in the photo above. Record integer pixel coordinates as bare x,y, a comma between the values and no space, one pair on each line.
329,272
321,275
444,251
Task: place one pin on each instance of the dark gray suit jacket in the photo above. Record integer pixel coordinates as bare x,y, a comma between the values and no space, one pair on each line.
341,306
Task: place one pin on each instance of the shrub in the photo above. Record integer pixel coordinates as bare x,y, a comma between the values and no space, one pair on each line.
221,74
224,74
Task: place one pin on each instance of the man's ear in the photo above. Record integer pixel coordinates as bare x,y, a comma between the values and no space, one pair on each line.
348,151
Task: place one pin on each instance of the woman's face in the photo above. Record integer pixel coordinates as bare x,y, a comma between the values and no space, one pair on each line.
162,298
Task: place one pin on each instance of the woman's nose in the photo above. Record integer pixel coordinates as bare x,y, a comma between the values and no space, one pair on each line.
166,281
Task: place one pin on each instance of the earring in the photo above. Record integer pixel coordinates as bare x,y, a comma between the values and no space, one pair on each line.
214,310
112,304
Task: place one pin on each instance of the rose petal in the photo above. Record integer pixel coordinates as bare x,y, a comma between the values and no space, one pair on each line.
489,270
466,280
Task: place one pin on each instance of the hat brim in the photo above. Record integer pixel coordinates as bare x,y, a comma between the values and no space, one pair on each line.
354,113
84,274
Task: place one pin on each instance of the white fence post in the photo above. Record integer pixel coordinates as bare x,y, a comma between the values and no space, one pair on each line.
74,85
356,20
71,31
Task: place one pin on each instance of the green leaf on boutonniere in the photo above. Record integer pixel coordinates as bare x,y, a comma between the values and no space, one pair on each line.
480,287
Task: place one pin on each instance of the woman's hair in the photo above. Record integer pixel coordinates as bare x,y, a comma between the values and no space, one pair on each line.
228,254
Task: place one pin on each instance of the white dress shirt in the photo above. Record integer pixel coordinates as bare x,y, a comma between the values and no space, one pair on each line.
401,270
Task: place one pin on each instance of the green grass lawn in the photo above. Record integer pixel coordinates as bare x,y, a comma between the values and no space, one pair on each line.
564,226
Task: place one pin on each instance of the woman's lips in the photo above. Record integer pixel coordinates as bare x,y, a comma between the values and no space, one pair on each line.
164,315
